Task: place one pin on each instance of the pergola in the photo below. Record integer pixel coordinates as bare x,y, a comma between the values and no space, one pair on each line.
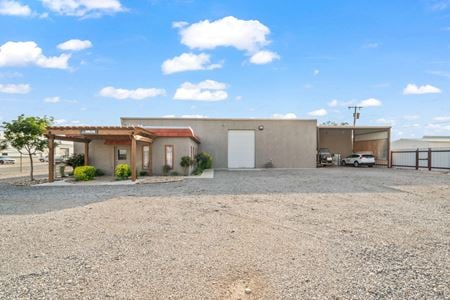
86,134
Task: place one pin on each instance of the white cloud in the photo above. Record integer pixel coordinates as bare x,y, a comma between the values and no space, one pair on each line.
10,75
137,94
370,102
318,113
60,122
20,54
442,118
208,90
245,35
194,116
385,121
333,103
15,88
285,116
371,45
337,103
14,8
179,24
412,89
57,99
188,62
439,5
52,99
263,57
440,73
437,127
238,98
84,8
75,45
316,72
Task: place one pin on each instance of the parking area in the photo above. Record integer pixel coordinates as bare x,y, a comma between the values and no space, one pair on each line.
16,170
283,234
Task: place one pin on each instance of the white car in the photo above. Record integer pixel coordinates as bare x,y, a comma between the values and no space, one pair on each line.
4,160
359,159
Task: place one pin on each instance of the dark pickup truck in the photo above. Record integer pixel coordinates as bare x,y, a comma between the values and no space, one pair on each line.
324,157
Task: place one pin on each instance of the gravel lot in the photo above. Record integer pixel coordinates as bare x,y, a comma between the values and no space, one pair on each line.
283,234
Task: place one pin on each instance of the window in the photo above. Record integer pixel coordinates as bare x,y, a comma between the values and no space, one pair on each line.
145,157
168,150
122,154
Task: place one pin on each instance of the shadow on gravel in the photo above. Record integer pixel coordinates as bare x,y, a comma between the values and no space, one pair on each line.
36,200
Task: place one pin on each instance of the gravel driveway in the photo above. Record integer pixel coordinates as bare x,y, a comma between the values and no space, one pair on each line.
280,234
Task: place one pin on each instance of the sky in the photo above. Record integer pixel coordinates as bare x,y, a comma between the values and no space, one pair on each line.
91,62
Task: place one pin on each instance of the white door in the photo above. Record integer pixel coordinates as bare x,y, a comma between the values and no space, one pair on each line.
241,149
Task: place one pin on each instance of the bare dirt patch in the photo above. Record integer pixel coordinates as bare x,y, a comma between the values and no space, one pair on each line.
389,243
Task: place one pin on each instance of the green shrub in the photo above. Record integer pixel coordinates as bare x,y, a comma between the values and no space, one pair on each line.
204,160
166,169
174,173
76,160
186,162
122,171
99,172
84,173
197,171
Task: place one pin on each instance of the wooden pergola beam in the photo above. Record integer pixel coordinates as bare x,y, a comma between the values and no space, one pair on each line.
72,139
142,138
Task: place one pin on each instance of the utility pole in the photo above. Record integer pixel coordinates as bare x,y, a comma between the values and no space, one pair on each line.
356,113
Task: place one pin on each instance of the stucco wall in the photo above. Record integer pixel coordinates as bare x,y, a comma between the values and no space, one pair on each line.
104,157
338,141
181,147
288,143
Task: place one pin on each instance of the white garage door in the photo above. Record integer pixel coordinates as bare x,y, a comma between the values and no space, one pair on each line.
241,149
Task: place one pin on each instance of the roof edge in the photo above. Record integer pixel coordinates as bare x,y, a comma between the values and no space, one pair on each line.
216,119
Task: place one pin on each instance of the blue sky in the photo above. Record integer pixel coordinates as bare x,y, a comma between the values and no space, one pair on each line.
91,62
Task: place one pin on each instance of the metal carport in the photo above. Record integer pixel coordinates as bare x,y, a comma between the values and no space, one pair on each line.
345,140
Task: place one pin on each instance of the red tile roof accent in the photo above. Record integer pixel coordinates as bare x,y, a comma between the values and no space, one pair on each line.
175,132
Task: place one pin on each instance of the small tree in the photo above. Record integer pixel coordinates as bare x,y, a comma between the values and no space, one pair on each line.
76,160
26,134
3,145
186,162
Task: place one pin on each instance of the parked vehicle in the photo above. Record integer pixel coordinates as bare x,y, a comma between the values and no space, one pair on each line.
58,159
359,159
325,157
4,160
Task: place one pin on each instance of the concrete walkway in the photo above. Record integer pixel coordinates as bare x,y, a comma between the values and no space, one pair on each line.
111,181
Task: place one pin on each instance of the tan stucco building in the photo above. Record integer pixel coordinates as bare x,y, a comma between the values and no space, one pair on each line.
231,142
149,144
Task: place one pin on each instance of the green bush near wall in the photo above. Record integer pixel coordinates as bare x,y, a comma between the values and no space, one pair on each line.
84,173
203,161
122,171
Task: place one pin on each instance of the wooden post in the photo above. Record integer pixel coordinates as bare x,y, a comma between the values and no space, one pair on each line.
133,158
86,154
389,153
391,156
51,158
150,157
429,159
417,159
